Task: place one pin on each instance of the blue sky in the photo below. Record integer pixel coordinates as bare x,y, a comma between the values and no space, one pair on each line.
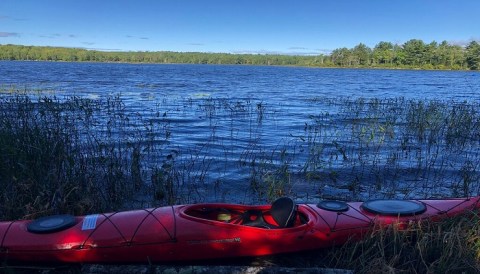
235,26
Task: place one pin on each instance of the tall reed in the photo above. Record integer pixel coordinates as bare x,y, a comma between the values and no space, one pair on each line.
84,155
70,155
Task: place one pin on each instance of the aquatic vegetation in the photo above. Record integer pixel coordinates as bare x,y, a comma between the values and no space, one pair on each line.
84,155
396,146
65,156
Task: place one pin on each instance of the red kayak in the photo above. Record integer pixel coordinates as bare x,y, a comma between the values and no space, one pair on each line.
209,231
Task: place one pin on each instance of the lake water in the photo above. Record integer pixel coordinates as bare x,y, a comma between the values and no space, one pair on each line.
221,120
275,85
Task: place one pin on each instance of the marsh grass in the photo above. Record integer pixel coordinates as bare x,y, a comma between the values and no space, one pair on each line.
395,148
76,155
270,174
81,155
96,153
64,156
451,246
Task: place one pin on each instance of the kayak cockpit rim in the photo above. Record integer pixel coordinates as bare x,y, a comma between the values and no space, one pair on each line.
220,214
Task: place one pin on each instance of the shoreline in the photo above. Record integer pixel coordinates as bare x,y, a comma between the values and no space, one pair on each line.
398,58
248,65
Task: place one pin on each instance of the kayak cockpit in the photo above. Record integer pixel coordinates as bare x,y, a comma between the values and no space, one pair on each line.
283,213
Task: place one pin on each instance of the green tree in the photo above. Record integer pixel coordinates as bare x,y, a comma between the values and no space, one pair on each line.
341,57
414,51
430,57
443,55
383,53
473,55
361,55
450,56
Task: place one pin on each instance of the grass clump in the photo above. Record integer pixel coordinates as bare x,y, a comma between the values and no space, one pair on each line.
58,156
451,246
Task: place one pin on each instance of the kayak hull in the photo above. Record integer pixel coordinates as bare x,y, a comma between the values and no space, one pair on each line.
202,231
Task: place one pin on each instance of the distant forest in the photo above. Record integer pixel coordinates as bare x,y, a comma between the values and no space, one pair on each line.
414,54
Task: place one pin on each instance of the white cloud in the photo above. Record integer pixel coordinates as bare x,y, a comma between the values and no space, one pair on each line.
9,34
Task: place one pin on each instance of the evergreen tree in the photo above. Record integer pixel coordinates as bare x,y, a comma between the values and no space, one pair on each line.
361,55
473,55
383,53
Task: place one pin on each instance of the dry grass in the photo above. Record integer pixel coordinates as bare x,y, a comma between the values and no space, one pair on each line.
449,247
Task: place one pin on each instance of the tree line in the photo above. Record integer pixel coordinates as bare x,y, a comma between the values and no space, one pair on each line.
413,54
